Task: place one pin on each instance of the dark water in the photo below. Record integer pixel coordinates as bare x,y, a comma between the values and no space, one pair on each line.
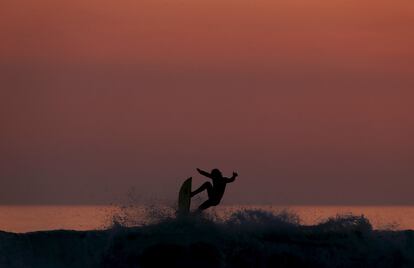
246,238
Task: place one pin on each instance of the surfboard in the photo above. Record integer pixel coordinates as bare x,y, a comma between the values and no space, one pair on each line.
184,199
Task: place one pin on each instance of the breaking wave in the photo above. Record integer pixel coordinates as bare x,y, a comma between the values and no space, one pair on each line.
246,238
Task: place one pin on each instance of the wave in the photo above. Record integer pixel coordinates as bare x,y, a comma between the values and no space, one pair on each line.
247,238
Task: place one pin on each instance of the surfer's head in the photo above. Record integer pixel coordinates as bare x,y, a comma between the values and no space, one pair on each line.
216,173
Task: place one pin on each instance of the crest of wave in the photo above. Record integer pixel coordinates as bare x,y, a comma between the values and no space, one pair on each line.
140,215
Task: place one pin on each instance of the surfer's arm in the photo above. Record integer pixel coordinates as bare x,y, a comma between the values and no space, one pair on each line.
204,173
232,177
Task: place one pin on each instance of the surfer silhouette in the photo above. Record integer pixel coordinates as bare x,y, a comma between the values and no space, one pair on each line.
216,190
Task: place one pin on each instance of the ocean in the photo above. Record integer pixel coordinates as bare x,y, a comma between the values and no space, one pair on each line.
227,236
21,219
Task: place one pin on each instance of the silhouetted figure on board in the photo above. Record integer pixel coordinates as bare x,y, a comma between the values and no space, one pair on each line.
216,190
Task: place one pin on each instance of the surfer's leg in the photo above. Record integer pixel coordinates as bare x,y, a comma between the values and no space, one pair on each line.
205,205
205,186
209,203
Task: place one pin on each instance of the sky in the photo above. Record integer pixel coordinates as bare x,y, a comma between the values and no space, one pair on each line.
311,102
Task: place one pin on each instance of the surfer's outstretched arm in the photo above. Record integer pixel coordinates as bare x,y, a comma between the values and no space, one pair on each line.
204,173
228,180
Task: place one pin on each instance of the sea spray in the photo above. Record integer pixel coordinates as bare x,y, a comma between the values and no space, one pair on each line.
247,238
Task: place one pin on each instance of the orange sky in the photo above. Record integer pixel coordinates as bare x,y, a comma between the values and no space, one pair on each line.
310,100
